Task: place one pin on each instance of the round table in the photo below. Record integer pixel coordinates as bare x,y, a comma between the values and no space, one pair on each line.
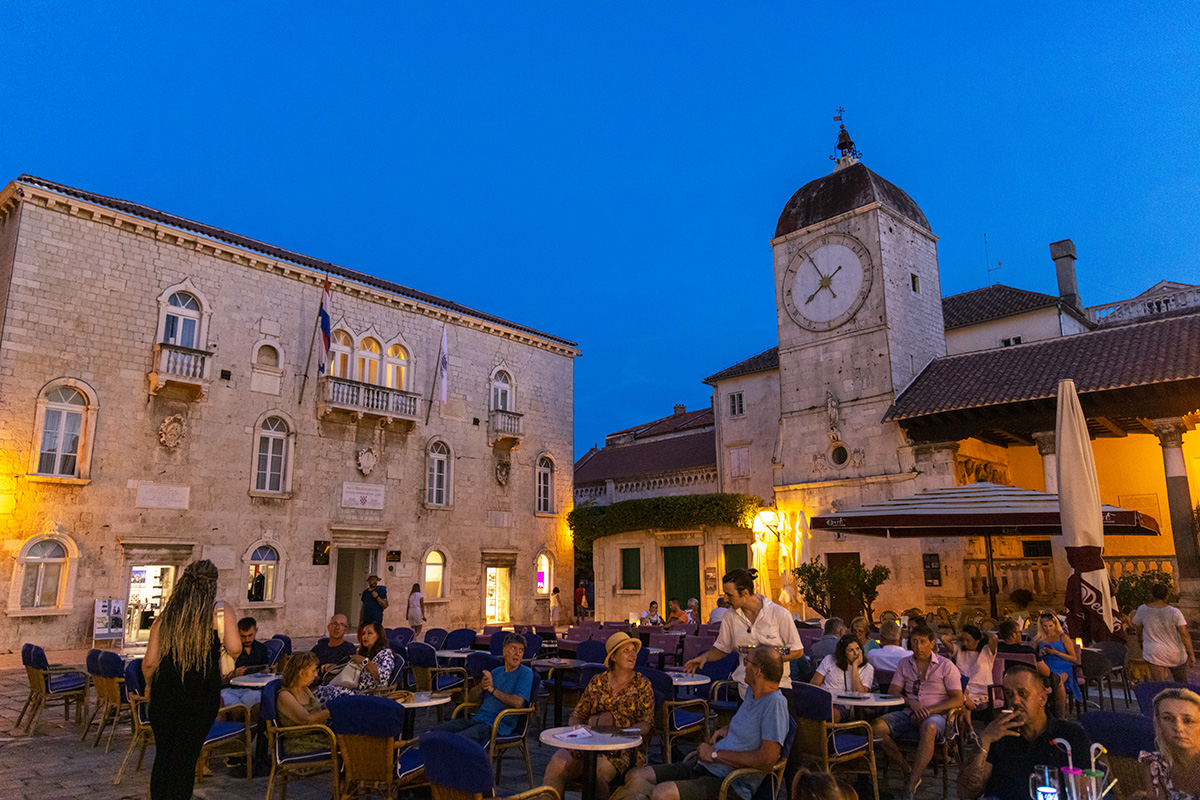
684,679
456,653
256,681
591,746
558,666
867,699
420,700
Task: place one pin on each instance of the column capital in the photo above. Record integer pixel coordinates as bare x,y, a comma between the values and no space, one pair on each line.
1045,442
1169,431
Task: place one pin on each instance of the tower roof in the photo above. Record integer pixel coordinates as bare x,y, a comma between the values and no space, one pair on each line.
842,190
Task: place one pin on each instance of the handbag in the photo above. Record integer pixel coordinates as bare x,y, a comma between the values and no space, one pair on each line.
347,677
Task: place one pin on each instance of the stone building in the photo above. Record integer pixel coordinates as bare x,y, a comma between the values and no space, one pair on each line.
159,402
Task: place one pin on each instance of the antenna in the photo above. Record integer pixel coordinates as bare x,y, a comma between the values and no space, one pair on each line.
987,260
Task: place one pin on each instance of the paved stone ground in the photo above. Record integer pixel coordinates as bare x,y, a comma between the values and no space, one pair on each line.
53,763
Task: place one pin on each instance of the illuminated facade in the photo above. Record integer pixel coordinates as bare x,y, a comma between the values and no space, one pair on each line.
159,402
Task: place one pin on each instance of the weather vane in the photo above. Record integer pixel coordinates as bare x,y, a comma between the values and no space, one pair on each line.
844,143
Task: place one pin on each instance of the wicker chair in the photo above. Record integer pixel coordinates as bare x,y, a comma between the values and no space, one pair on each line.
768,788
518,738
1124,736
49,685
847,745
373,755
139,709
284,764
110,696
459,770
675,719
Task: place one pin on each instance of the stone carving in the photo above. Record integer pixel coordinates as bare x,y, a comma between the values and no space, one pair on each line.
366,459
969,470
172,431
834,412
820,463
503,469
858,457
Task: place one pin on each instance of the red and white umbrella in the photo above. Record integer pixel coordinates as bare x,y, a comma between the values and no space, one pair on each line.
1091,611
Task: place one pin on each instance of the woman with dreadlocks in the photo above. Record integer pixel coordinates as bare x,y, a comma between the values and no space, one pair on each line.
182,668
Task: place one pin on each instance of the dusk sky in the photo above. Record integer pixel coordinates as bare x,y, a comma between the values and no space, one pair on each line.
612,173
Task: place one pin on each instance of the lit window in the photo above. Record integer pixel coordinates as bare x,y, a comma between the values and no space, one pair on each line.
62,432
271,471
340,346
736,408
501,388
545,485
544,578
45,565
435,574
438,484
396,367
368,361
263,562
183,320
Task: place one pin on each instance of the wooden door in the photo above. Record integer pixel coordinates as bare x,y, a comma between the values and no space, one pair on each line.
840,604
681,575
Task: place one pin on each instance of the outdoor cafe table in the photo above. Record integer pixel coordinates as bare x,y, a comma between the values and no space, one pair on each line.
256,681
591,744
867,699
682,680
463,653
558,666
420,700
655,652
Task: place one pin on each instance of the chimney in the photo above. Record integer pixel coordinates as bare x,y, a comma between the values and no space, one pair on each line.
680,409
1063,254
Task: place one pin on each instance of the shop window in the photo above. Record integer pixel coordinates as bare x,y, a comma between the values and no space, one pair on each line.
543,573
435,575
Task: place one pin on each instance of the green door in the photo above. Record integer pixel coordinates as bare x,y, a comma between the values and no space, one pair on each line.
681,574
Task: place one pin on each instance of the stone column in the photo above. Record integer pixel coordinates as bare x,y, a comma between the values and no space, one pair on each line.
1179,502
1045,445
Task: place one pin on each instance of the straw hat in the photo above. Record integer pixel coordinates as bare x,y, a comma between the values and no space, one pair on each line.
616,640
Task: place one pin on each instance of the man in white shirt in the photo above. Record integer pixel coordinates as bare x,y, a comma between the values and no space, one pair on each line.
715,615
888,654
752,620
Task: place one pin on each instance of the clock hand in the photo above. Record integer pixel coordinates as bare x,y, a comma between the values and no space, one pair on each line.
811,296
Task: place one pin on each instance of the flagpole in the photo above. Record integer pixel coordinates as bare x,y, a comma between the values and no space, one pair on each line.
436,374
311,344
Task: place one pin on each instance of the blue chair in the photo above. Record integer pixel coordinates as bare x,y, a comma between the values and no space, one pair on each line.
435,638
231,737
428,676
518,738
533,645
92,665
110,695
283,763
139,710
479,663
675,719
374,756
274,651
459,639
459,768
287,643
850,745
51,685
1124,736
496,643
591,651
724,695
1146,691
401,635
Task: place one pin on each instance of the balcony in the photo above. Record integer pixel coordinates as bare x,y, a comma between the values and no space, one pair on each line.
504,429
1038,574
180,369
367,400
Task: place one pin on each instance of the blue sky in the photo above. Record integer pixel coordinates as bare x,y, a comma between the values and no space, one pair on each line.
612,173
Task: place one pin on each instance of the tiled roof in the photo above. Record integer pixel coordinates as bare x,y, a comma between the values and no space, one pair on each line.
700,418
844,190
991,302
691,451
237,240
1158,351
766,360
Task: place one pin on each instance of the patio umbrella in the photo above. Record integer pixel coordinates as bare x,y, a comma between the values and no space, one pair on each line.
1089,600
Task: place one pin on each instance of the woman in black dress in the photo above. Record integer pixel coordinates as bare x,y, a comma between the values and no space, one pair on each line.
182,668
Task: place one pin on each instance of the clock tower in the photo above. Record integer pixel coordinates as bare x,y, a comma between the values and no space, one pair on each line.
860,315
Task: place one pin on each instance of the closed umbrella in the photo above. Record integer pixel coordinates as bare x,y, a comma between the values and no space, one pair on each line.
1089,600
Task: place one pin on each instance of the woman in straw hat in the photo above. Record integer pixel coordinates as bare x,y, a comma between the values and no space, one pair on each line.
618,697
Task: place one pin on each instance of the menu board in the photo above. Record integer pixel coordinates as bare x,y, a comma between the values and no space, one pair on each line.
108,620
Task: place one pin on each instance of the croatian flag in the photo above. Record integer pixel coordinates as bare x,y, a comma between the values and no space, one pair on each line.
443,367
323,324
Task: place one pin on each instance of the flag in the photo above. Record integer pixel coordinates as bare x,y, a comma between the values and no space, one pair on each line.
443,367
838,118
323,324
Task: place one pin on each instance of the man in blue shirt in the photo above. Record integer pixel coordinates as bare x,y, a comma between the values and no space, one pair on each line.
754,738
508,686
374,601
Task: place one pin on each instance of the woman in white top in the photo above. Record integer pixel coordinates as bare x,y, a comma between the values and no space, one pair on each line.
846,670
974,654
416,609
1166,644
555,607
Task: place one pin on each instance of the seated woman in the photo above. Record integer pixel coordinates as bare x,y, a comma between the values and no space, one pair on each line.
1173,773
375,658
1057,649
862,632
846,670
974,655
651,616
619,698
299,706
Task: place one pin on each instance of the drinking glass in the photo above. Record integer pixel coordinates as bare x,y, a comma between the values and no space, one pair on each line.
1044,783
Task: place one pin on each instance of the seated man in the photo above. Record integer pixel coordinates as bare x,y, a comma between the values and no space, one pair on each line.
1017,742
507,686
693,610
889,654
336,650
675,614
254,654
721,610
1010,642
931,686
835,629
754,738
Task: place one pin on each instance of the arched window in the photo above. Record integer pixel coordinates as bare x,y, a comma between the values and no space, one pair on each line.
63,416
340,347
545,485
271,472
368,361
45,567
543,571
438,483
435,575
396,367
183,320
263,562
267,356
501,388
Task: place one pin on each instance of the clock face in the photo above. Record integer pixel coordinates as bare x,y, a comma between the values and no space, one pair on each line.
827,282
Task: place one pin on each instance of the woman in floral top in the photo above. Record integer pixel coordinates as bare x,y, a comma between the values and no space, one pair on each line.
374,656
1173,773
619,697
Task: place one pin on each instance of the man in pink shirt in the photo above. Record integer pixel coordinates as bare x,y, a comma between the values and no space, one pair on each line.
931,687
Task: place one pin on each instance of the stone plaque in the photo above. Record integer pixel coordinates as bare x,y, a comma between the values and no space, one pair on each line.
161,495
362,495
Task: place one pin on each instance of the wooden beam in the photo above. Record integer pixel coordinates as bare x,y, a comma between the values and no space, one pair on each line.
1112,427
